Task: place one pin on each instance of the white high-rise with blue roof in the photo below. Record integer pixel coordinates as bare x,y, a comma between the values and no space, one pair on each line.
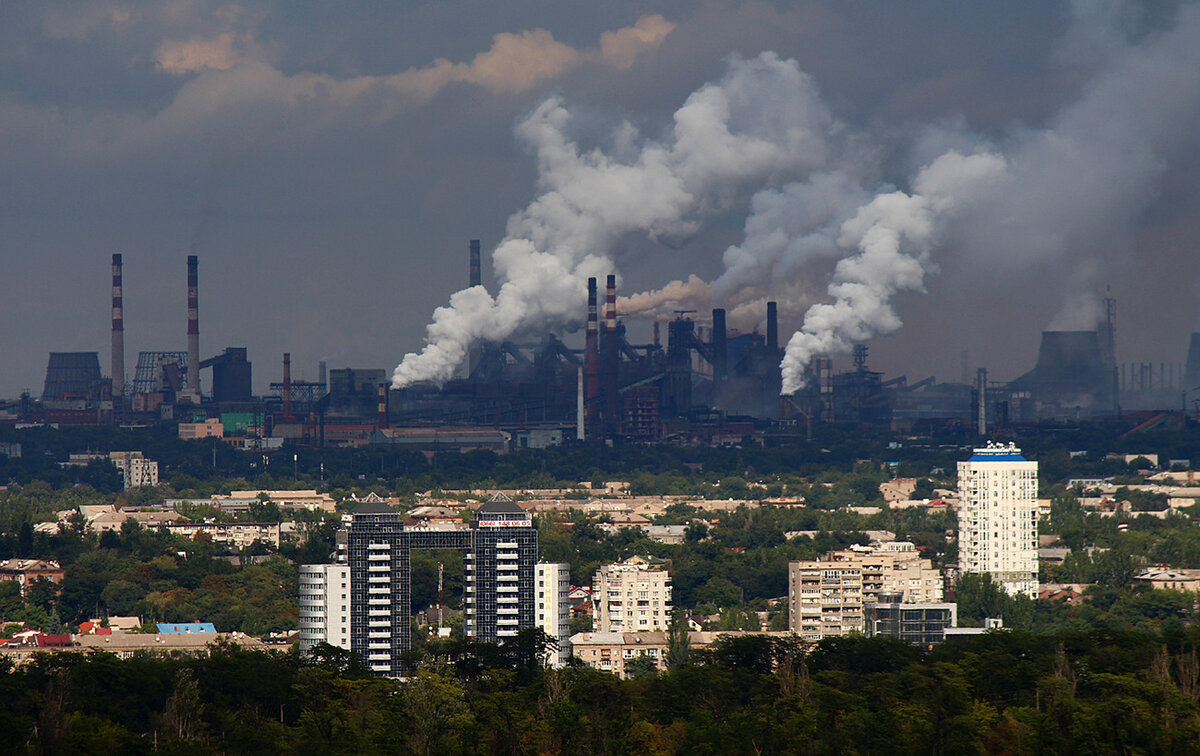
997,518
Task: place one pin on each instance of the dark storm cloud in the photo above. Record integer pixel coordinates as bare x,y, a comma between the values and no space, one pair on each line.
330,168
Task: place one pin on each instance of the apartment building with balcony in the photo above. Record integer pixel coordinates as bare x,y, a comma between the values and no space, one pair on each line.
632,596
826,596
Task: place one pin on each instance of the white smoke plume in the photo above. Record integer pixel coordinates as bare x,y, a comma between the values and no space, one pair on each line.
1072,189
892,236
763,119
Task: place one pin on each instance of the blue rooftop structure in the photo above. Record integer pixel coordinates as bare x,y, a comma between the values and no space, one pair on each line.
998,453
180,628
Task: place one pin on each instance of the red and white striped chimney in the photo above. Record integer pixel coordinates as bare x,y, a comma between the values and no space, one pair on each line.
193,327
591,362
612,407
118,334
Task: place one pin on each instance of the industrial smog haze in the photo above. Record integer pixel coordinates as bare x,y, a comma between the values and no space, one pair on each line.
939,181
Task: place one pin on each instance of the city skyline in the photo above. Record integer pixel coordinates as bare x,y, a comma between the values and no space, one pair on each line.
314,160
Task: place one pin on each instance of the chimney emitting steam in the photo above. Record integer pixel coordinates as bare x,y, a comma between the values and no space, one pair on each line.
475,272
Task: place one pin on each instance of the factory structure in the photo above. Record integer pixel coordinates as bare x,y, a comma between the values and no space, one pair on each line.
702,383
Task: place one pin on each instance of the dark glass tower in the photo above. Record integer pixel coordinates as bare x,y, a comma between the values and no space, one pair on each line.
500,564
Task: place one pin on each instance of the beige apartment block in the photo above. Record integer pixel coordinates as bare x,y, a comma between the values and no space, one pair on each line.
633,596
826,596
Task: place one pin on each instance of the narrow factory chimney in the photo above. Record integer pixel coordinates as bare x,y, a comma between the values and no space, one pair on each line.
118,335
579,408
382,421
591,361
287,387
772,326
193,329
476,275
982,391
612,400
718,349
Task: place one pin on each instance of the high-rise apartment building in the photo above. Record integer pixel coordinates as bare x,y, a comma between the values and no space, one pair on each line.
377,554
499,553
826,596
997,518
554,608
324,606
632,596
499,572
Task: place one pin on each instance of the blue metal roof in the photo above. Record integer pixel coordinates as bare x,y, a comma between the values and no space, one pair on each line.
997,458
176,628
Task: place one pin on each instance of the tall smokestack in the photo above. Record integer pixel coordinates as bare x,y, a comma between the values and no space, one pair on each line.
983,402
580,431
382,421
718,350
772,326
118,335
591,361
476,276
611,396
193,328
287,387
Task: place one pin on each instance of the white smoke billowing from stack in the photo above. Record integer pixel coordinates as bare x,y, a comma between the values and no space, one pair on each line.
1067,194
892,235
1076,187
764,118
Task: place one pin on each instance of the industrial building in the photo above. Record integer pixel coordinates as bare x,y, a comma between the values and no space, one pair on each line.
703,383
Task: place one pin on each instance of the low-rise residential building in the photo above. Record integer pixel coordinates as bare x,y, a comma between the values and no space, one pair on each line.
1164,578
632,596
921,623
240,501
21,649
614,651
28,571
239,535
114,519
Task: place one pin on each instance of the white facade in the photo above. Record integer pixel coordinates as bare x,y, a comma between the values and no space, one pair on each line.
553,605
324,606
136,469
997,518
633,596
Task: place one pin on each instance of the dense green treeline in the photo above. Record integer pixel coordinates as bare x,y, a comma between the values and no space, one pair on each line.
1005,692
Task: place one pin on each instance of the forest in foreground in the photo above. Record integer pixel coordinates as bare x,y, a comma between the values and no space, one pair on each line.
1002,692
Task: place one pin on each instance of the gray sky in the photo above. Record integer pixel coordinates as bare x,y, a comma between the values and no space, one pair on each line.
329,161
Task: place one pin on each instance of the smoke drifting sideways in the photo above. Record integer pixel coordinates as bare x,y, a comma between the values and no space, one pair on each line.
1073,189
763,119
